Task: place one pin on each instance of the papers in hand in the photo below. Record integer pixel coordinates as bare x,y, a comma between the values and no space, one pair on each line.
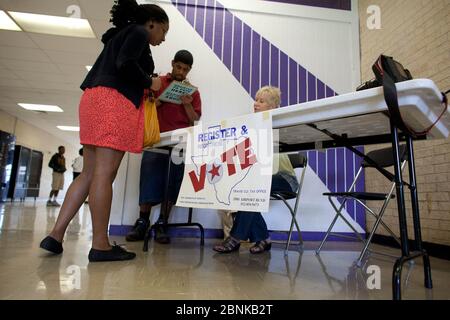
175,90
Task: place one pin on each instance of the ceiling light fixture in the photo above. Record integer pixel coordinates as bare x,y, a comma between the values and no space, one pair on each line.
88,68
40,107
6,23
68,128
62,26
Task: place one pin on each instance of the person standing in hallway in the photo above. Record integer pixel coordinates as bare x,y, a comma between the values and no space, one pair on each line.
112,120
58,164
77,164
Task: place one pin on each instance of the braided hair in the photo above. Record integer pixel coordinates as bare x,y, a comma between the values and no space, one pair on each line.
126,12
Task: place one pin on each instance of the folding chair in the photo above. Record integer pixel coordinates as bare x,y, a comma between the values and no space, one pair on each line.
379,160
298,160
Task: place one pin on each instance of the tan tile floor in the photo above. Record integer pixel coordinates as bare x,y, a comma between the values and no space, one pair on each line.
184,270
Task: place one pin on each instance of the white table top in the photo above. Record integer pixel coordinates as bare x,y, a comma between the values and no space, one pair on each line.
357,114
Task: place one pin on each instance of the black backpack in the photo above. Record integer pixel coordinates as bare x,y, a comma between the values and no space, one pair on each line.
387,72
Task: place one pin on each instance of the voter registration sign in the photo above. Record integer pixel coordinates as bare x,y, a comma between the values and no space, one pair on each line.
228,164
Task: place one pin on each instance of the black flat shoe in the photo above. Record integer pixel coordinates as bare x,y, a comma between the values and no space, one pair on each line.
116,253
52,245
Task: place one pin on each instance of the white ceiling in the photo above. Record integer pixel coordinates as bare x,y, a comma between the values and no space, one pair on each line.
48,69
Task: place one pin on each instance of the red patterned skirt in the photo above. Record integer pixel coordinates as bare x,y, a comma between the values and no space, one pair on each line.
108,119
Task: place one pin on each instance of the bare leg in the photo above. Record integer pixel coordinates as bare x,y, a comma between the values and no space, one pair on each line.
75,196
107,162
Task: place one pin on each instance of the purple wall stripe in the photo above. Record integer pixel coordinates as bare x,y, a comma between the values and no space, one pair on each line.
293,78
340,170
360,186
190,11
311,87
329,92
274,63
330,4
245,60
302,85
218,32
186,232
200,18
181,6
209,23
320,89
237,49
246,44
227,41
322,166
349,176
331,170
312,160
265,62
284,79
256,62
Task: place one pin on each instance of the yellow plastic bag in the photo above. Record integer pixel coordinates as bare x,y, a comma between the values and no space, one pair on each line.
151,124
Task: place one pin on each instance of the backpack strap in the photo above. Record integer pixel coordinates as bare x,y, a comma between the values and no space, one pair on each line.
387,73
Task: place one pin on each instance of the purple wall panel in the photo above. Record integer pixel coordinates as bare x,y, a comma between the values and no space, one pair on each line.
228,39
237,43
331,169
284,77
322,166
329,92
265,62
246,44
302,84
190,11
274,63
209,23
293,79
320,89
200,19
312,160
218,31
122,230
349,177
311,87
340,169
360,186
181,6
256,65
330,4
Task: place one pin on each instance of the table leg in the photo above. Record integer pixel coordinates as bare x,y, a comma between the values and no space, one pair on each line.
396,277
416,214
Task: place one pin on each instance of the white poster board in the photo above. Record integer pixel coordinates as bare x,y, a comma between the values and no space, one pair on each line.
229,164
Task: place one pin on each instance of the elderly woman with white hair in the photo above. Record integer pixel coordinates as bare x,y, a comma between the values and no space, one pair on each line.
251,225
